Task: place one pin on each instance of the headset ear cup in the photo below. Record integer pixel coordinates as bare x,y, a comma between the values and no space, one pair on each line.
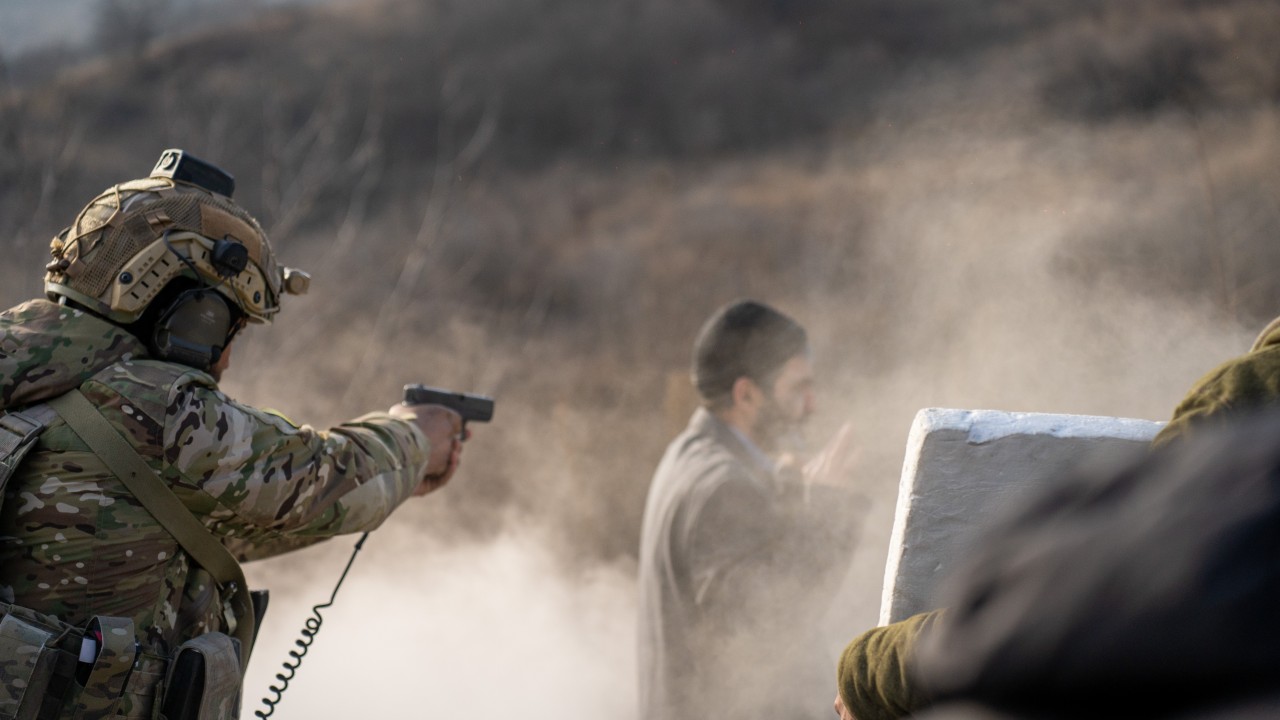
194,329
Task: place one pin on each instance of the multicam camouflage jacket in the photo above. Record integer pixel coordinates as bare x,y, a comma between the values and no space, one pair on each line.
74,543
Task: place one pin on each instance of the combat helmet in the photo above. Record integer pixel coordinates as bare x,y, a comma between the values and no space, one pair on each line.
134,238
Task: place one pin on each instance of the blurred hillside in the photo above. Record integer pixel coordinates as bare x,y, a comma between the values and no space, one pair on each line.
1015,204
54,29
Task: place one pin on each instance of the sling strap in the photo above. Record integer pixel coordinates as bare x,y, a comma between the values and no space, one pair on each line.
124,461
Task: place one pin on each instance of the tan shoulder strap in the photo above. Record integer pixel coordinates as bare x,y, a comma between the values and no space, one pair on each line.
124,461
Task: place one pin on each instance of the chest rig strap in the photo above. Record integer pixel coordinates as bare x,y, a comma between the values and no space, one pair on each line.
159,500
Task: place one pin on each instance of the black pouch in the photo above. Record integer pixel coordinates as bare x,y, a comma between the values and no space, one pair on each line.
259,600
204,680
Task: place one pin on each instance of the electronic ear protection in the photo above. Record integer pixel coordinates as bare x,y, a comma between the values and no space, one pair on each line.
199,322
194,329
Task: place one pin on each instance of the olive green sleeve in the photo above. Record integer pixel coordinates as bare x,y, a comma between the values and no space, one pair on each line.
875,677
1246,382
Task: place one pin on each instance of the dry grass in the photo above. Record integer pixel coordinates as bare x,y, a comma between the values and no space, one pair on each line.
1011,209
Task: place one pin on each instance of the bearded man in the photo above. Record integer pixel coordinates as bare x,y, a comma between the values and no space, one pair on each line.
739,544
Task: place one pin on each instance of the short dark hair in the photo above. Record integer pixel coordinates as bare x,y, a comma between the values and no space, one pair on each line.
743,339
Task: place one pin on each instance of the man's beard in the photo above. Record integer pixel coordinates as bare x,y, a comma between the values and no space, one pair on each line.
776,432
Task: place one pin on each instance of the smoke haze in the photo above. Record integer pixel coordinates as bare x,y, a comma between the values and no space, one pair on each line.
1022,206
421,629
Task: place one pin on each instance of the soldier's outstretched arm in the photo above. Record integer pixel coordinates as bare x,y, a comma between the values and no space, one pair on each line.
270,486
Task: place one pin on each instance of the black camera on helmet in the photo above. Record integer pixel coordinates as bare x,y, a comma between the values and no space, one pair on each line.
181,166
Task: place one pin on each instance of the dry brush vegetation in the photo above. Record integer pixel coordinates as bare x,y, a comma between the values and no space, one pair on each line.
1027,205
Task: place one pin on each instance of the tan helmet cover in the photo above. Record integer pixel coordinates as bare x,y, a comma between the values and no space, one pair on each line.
124,248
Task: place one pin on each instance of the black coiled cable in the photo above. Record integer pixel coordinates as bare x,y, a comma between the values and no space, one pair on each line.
309,631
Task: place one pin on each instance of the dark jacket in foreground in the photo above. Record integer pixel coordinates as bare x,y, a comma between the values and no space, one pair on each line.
735,569
1150,592
876,676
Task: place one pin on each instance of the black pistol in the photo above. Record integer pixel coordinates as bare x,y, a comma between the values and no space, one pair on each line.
477,408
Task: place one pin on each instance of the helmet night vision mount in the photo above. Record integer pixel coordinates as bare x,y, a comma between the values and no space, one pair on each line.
135,238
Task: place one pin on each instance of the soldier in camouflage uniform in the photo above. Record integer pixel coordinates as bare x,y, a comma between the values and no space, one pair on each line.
75,544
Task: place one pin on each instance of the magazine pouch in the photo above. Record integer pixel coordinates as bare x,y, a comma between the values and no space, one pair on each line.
204,680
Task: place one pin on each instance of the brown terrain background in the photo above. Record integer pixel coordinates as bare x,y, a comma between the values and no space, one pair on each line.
1021,205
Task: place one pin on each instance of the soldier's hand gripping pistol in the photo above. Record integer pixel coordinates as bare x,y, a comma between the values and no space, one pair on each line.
472,408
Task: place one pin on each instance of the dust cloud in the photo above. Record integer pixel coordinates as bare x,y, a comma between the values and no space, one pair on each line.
950,236
981,209
421,629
